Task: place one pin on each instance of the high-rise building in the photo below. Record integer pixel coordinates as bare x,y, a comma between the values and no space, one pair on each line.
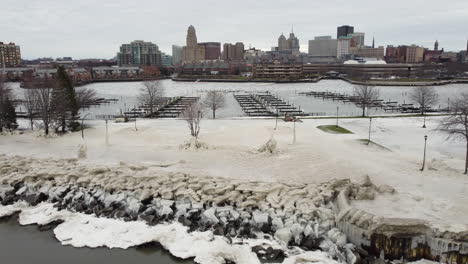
176,55
323,46
436,45
290,44
357,39
414,54
282,43
139,53
233,52
193,52
344,31
166,60
212,50
343,45
10,55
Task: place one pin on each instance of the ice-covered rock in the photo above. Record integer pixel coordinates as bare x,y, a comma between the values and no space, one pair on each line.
271,147
284,235
209,216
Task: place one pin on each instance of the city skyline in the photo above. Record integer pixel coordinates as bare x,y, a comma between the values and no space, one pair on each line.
55,29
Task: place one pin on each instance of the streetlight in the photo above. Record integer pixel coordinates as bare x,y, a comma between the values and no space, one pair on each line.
424,157
370,126
337,110
107,134
276,126
294,130
82,124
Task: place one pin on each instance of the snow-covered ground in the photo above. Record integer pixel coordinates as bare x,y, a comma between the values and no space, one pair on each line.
437,194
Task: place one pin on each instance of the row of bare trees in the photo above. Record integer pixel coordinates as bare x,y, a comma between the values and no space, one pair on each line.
56,103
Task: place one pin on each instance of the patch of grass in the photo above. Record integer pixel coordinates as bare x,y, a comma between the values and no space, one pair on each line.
372,143
334,129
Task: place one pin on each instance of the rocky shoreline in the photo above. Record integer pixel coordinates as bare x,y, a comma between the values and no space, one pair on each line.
285,220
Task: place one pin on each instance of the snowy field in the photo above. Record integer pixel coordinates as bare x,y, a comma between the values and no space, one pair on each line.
437,195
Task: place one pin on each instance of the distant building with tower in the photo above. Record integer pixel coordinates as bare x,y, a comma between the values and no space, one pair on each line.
289,44
193,52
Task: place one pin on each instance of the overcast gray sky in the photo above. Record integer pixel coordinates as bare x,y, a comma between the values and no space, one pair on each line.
96,28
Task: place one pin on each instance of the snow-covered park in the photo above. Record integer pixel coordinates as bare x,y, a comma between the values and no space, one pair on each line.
294,187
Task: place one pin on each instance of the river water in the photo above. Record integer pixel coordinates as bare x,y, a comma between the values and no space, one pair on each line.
126,94
27,245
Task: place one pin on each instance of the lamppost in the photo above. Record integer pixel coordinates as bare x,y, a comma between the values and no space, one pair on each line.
294,130
82,124
337,111
424,157
276,125
107,134
370,127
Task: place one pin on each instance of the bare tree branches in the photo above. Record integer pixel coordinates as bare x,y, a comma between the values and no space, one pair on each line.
30,105
456,125
150,94
41,94
214,100
193,114
425,97
6,96
365,96
85,97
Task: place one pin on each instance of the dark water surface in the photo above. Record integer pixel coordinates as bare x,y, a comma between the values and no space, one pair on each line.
28,245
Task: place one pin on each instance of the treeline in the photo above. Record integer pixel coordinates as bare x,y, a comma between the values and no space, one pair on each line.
49,103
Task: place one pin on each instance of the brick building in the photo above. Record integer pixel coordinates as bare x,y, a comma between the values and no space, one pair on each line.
10,55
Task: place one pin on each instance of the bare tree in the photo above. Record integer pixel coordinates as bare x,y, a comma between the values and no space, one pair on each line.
214,100
425,97
456,125
42,92
150,94
85,97
30,105
365,96
193,114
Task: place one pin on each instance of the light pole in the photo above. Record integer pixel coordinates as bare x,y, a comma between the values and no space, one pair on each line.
370,127
82,125
107,134
294,130
424,157
337,111
276,125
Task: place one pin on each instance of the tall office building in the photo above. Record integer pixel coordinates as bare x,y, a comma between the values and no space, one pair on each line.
289,44
193,52
139,53
176,55
323,46
10,55
344,31
233,52
357,39
212,50
343,47
166,60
